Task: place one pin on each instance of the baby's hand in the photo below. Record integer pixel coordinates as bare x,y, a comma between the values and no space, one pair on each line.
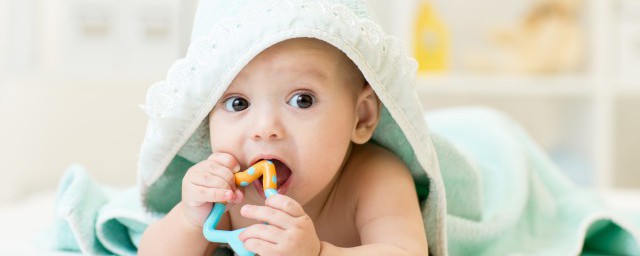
289,231
208,182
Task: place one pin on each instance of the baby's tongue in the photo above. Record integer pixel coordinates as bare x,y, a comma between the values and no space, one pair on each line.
282,172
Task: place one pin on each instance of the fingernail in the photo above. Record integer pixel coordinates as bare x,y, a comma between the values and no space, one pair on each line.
228,194
245,209
236,168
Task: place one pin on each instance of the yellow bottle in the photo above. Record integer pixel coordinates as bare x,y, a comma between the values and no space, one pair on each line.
430,40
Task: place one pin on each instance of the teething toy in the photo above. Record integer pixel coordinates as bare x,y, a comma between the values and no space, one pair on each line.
244,178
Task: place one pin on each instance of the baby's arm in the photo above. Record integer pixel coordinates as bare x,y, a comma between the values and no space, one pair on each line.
180,231
174,235
388,214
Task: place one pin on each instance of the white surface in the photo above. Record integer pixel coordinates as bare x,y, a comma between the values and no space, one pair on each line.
46,125
623,199
24,222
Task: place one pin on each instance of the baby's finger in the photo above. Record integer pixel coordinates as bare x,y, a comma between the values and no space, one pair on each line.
261,247
264,232
285,204
239,196
206,179
198,195
221,171
226,160
210,167
267,214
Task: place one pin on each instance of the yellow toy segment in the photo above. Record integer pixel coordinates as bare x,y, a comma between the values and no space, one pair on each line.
264,168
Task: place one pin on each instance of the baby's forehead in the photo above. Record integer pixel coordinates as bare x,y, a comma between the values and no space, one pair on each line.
307,55
307,48
306,43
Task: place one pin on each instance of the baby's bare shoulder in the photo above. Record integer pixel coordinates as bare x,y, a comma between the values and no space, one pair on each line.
386,203
371,165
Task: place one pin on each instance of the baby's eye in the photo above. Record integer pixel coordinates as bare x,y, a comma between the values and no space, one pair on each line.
236,104
302,100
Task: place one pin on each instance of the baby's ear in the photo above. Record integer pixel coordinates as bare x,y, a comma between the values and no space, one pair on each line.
368,114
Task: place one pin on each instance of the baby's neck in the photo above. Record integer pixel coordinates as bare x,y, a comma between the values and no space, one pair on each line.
315,207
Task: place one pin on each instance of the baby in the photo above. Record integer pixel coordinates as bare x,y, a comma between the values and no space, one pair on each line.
304,105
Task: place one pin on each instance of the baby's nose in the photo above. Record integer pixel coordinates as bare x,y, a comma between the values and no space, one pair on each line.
267,127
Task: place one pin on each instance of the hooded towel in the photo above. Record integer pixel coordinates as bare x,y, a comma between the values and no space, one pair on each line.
226,36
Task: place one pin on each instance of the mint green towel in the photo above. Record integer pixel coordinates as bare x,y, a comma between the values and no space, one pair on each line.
505,196
94,219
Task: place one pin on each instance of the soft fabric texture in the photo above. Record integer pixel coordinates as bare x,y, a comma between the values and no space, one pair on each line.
95,219
505,196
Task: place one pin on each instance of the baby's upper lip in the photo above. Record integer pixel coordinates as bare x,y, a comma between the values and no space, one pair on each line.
266,157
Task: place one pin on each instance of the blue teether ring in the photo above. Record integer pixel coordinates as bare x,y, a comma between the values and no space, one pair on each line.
263,168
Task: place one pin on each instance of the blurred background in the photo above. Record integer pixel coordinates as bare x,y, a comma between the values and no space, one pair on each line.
73,73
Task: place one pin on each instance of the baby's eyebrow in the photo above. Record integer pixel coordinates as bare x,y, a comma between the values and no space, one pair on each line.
312,71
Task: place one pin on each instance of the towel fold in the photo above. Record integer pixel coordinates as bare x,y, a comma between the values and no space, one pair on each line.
506,196
95,219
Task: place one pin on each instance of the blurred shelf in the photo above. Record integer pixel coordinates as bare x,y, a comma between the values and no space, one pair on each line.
505,85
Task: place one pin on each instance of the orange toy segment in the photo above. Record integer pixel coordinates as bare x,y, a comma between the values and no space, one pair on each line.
264,168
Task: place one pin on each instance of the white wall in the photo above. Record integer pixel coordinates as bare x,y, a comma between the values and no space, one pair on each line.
46,126
72,74
4,33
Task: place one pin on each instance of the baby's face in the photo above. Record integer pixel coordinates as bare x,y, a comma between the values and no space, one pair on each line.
294,103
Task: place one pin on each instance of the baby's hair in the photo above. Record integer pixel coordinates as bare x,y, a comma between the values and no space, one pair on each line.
350,68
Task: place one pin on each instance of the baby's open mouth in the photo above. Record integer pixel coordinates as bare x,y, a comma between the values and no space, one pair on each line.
282,174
